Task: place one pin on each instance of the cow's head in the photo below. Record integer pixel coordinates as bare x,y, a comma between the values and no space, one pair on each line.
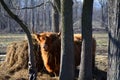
47,39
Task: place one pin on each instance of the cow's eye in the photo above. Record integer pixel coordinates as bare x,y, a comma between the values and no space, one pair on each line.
46,37
53,39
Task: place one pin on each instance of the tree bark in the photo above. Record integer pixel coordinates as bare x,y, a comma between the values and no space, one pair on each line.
67,55
86,55
114,40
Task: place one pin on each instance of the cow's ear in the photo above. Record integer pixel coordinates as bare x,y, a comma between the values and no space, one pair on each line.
37,36
59,34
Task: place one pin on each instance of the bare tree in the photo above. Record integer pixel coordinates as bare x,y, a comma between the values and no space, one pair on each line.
104,9
32,17
32,69
67,55
75,10
86,55
114,40
55,16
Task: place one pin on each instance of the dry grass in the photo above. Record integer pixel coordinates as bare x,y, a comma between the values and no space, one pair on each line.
102,62
15,64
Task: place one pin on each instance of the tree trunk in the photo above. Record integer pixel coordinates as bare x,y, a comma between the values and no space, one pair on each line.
114,40
31,63
55,16
86,57
32,17
55,21
67,55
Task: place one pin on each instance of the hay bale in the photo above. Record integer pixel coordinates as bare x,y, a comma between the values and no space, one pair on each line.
17,57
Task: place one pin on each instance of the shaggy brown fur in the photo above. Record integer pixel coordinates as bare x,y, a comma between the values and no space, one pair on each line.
17,57
50,50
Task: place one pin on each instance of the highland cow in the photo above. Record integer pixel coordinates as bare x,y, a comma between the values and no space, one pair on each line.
50,50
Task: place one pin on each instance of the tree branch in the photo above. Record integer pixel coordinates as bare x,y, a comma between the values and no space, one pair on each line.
32,7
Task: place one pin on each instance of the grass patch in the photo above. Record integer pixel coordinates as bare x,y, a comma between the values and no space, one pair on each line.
101,39
102,43
6,39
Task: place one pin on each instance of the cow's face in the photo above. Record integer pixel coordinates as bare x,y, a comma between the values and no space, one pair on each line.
46,40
